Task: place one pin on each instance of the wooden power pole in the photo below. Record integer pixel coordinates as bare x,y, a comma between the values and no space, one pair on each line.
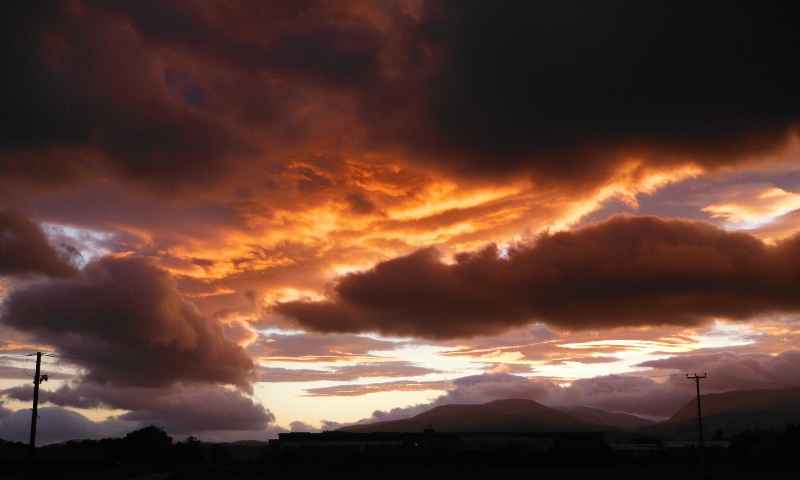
696,379
37,380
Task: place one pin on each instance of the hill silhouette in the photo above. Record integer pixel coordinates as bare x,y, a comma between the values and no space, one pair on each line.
509,415
602,417
732,412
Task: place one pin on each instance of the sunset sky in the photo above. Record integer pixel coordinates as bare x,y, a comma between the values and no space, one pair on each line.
241,217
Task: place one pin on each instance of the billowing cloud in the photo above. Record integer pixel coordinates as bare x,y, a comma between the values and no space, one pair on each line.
179,409
626,271
126,322
564,91
24,249
60,425
298,426
737,371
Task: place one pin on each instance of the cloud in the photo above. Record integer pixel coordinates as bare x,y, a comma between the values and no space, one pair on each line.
127,324
74,92
568,89
179,408
627,394
567,92
298,426
193,410
24,249
736,371
751,203
635,394
626,271
57,425
359,390
316,346
344,373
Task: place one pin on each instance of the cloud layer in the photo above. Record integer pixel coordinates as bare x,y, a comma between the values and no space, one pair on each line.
626,271
658,397
179,409
565,91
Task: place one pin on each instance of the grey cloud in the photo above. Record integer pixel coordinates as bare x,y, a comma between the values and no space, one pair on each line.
59,425
128,318
24,249
625,271
179,408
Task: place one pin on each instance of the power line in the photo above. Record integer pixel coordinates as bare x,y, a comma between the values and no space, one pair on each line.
320,376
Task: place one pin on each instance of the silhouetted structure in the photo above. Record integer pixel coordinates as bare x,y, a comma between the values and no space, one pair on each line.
428,439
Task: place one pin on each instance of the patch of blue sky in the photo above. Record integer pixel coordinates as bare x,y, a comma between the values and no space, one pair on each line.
90,243
269,331
725,334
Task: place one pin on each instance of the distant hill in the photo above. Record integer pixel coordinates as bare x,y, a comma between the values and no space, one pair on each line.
509,415
602,417
732,412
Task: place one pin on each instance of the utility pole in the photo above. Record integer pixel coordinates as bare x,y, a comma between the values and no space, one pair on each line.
37,379
696,379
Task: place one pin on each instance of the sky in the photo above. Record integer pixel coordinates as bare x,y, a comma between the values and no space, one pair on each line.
238,218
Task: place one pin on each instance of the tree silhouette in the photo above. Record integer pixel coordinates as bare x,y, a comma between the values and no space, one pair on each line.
149,444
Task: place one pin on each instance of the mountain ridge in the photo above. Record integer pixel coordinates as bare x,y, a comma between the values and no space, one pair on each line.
732,412
514,414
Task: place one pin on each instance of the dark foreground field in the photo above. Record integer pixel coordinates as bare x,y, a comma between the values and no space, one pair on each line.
558,473
435,474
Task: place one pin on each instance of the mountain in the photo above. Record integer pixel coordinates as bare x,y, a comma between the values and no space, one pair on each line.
602,417
732,412
738,401
509,415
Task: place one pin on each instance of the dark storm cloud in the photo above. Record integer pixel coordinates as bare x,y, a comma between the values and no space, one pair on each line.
543,84
128,315
626,271
294,39
24,249
75,77
166,91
